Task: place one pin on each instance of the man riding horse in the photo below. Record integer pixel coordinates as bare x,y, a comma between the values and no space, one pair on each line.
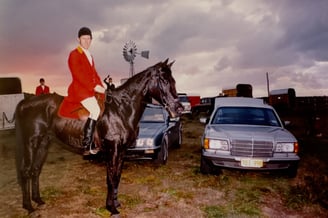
85,83
115,125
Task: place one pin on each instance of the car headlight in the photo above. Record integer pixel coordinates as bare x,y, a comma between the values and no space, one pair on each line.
287,147
145,142
216,144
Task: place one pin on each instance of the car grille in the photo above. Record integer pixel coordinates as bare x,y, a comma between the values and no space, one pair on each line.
249,148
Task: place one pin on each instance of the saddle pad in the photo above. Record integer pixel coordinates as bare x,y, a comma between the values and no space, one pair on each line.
75,110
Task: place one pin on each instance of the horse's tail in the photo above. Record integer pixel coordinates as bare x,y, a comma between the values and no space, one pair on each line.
19,145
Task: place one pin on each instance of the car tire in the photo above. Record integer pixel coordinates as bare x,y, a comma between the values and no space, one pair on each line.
179,142
291,172
163,154
207,168
195,114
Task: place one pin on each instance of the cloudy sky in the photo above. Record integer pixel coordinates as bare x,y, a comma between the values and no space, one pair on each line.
216,44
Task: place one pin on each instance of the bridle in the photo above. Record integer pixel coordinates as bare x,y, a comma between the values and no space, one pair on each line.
159,86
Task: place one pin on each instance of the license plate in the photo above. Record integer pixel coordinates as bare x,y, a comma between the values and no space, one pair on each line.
251,163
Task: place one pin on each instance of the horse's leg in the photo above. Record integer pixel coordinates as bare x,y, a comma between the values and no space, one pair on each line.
110,200
25,172
118,178
26,191
39,159
112,162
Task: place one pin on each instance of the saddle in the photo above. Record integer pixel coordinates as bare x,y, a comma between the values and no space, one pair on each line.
74,110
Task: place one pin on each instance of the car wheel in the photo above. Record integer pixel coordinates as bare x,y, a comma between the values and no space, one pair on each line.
163,154
207,168
195,114
291,172
179,142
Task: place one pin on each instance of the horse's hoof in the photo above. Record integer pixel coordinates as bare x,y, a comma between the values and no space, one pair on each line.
39,201
29,208
117,203
116,216
112,210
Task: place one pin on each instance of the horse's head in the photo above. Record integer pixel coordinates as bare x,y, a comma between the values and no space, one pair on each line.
162,88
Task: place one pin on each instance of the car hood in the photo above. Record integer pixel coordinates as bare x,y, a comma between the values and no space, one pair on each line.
249,132
149,130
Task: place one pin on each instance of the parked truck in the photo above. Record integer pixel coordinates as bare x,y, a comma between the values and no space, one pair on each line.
241,90
205,107
10,95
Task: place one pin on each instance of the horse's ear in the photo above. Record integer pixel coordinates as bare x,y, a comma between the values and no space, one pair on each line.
170,64
165,62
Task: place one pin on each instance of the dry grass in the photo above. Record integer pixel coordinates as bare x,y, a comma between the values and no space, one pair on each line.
73,187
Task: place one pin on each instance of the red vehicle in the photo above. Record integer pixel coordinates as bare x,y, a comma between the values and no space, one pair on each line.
194,100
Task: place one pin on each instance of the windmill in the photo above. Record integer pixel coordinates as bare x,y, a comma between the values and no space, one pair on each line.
130,52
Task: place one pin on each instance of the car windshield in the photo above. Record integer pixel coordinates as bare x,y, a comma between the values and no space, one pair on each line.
245,115
205,101
183,98
152,114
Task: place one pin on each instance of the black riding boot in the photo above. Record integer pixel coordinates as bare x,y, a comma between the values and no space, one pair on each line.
87,142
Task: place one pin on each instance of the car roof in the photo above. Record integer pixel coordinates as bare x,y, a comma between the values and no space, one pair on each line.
154,105
240,102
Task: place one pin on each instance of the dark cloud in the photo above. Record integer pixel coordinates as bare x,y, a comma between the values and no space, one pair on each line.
305,27
214,43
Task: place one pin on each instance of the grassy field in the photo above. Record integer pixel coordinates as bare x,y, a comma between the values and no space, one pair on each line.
73,187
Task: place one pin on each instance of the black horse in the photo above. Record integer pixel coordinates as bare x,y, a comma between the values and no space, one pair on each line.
117,128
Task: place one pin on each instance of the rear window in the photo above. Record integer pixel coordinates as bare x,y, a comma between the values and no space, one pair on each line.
153,115
183,98
246,116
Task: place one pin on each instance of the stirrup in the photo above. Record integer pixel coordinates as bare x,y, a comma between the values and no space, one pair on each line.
91,151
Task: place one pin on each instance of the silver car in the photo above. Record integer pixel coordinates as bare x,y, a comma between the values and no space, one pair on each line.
245,133
157,133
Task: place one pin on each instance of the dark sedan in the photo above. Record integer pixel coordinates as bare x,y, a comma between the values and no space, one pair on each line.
157,133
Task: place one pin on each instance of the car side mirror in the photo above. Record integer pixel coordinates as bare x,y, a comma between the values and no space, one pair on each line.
203,120
287,123
174,119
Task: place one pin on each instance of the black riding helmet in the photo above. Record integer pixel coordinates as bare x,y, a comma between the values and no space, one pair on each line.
85,31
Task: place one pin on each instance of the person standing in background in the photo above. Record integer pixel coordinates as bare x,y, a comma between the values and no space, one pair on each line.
42,88
109,83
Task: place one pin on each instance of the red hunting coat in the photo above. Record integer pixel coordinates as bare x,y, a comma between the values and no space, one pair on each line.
39,90
84,80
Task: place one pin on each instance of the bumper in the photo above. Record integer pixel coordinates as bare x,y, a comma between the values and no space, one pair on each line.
142,153
281,162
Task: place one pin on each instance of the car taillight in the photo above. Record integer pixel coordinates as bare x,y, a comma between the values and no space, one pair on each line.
296,148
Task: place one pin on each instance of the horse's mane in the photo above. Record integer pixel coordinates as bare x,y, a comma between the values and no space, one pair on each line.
137,78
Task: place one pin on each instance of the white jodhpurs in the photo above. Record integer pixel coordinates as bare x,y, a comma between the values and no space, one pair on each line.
92,106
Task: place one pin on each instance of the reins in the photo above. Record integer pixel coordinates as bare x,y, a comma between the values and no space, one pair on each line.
159,86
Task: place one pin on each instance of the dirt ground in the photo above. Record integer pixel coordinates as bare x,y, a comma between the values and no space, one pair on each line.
73,187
